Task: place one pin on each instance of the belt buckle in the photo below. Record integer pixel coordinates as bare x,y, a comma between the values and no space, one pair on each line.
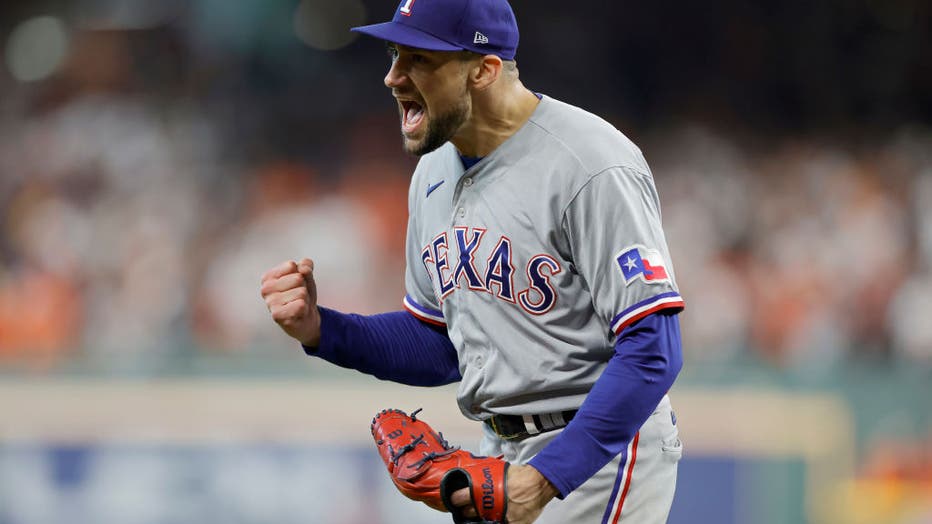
502,435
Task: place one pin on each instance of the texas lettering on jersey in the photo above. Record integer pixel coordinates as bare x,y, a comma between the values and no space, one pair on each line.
450,261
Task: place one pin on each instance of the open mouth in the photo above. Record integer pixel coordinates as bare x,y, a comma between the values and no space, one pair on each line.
412,115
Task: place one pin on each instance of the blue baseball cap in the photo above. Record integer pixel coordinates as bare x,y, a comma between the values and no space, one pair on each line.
486,27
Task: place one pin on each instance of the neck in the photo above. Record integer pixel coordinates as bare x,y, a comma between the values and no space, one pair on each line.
496,115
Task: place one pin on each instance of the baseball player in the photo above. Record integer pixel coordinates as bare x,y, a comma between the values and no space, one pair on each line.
537,276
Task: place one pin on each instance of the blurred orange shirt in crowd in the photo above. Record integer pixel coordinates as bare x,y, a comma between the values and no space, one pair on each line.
39,317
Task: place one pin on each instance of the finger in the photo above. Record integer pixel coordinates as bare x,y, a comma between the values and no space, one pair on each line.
290,312
284,297
461,498
280,270
285,283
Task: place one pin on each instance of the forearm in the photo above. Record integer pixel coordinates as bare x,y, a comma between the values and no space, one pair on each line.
648,357
390,346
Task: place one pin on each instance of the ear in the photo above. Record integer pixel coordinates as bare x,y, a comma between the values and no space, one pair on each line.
485,72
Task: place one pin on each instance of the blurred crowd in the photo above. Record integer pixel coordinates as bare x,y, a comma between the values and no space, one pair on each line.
129,233
150,178
804,251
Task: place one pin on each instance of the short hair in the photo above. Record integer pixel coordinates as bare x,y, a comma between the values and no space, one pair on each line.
509,67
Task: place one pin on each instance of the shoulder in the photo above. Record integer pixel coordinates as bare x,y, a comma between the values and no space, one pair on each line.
593,143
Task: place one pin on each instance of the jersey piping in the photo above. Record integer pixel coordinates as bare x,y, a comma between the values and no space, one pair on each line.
426,314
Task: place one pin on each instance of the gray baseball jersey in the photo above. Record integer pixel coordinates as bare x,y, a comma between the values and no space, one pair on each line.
536,257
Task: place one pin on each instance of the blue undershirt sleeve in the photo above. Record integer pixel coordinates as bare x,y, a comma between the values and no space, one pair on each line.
648,356
390,346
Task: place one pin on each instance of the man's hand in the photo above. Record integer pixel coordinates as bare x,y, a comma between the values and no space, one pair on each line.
528,493
290,293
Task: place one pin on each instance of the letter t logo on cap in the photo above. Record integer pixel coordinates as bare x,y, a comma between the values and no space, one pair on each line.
406,9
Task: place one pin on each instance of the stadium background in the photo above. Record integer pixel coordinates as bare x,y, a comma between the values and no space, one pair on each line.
156,157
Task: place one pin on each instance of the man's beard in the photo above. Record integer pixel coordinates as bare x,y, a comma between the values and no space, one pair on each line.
441,129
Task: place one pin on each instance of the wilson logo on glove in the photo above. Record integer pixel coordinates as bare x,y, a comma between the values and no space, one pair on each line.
488,489
426,468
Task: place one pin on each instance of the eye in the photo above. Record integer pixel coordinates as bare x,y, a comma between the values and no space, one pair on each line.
392,52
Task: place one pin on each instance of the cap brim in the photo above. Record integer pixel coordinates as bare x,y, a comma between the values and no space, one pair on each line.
406,36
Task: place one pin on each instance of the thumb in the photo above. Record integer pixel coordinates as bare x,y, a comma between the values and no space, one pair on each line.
306,268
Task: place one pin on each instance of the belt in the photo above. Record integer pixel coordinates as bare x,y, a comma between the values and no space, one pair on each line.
512,427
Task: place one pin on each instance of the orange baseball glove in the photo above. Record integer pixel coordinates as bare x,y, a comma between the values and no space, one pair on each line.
424,467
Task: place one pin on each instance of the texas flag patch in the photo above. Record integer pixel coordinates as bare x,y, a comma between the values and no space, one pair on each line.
644,263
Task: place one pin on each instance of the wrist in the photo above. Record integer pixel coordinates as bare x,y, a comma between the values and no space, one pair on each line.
546,488
311,341
527,485
311,338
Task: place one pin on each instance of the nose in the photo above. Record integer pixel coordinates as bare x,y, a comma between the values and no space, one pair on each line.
395,76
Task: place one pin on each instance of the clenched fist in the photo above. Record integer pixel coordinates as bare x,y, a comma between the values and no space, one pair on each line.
291,296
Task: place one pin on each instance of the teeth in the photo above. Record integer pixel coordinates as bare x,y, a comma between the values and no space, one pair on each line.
413,114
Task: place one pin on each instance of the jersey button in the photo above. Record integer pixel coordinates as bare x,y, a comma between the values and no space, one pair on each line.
479,361
467,182
461,212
